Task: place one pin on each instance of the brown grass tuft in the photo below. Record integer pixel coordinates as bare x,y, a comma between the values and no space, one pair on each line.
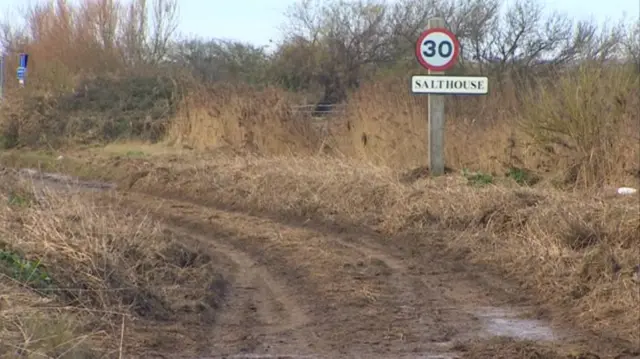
243,118
384,124
76,267
586,125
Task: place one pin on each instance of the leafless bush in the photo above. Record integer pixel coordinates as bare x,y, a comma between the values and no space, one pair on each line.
93,37
345,43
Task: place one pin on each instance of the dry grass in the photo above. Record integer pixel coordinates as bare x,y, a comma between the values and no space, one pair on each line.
103,110
384,123
560,131
576,250
587,125
243,118
78,273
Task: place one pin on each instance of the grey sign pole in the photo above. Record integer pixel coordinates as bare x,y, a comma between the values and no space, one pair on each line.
1,76
436,119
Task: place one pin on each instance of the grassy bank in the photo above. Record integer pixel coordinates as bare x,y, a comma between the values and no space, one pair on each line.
84,278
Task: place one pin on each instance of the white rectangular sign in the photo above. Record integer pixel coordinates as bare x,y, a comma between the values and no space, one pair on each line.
450,85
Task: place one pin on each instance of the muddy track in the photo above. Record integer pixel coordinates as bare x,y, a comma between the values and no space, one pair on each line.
304,290
326,294
260,309
367,305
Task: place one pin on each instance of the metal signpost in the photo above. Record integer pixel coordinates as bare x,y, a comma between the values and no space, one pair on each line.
21,72
437,50
1,75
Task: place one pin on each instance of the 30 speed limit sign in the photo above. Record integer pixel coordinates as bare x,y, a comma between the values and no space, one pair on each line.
437,49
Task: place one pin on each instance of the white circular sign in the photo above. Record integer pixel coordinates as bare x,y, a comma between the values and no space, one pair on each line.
437,49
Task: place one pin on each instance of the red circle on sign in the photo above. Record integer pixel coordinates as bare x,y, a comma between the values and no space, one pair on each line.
452,38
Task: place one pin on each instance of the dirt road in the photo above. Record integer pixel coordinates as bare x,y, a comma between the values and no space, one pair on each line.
303,289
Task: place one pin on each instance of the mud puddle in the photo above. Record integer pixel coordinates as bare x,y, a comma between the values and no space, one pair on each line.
60,181
504,322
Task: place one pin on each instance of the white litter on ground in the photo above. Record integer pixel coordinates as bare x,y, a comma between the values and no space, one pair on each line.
626,190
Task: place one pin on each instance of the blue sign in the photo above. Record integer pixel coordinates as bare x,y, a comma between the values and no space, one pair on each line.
24,59
21,72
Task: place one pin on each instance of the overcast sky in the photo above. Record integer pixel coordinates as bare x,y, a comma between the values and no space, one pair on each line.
257,21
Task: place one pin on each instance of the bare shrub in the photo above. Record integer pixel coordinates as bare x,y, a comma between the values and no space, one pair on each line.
67,41
586,123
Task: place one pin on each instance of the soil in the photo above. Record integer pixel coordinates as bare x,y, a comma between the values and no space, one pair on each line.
299,289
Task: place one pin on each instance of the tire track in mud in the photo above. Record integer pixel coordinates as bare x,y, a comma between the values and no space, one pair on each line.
430,301
246,236
260,314
401,316
259,307
424,307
